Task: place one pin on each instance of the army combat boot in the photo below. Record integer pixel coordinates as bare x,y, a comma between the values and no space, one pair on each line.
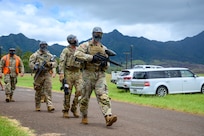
37,109
65,114
11,98
7,98
110,119
50,108
76,115
84,120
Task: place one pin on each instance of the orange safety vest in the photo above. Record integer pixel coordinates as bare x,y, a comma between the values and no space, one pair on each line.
6,69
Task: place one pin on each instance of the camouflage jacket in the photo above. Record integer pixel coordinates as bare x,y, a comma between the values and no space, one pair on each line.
68,60
85,52
42,57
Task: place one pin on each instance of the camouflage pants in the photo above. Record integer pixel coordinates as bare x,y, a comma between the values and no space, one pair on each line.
42,92
44,81
95,81
10,84
74,79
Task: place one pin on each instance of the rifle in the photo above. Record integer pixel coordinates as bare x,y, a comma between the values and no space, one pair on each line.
65,87
109,53
42,67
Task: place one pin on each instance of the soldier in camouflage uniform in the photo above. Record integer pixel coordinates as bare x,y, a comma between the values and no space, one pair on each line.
94,77
69,70
11,65
44,79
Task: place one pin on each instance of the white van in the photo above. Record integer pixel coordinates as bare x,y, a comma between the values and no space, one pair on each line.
125,76
164,81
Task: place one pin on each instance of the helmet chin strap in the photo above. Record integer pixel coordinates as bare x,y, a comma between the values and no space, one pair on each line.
12,53
74,42
43,48
97,39
97,36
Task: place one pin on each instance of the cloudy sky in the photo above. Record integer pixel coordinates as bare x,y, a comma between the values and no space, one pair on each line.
53,20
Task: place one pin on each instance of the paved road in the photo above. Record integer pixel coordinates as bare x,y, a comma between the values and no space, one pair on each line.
133,120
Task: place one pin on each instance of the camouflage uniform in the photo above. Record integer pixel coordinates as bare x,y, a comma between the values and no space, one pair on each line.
94,79
53,73
70,68
44,80
10,77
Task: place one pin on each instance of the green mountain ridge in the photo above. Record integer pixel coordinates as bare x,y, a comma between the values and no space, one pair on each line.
186,50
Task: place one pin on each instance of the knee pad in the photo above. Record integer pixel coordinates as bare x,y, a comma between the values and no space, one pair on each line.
104,99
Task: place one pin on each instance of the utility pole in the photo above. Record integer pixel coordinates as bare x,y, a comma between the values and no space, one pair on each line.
131,46
126,54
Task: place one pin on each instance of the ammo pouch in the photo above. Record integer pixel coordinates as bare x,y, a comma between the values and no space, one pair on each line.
71,62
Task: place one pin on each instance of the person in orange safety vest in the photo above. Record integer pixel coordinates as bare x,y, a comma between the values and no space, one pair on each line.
11,65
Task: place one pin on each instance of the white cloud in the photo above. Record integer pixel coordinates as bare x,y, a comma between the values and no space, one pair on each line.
29,10
52,21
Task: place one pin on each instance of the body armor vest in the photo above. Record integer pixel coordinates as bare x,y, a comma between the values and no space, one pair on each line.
93,49
70,61
41,58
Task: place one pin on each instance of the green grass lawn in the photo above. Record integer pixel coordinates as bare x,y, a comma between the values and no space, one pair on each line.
11,127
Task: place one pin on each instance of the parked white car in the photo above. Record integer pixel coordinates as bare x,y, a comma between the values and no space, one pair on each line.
164,81
114,76
125,77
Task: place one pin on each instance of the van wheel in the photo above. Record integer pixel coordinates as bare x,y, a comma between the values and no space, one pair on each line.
202,89
161,91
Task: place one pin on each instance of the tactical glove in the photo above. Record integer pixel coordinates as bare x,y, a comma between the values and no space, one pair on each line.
49,64
103,63
95,58
36,67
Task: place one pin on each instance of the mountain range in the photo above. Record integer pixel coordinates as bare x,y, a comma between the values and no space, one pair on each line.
188,50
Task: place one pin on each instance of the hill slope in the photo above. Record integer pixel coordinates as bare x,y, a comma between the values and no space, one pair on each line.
189,49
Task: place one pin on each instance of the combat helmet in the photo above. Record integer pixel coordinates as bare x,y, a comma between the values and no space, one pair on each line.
72,39
43,46
97,34
12,51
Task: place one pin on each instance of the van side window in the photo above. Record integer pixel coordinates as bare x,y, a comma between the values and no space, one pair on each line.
140,75
157,74
174,73
186,73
